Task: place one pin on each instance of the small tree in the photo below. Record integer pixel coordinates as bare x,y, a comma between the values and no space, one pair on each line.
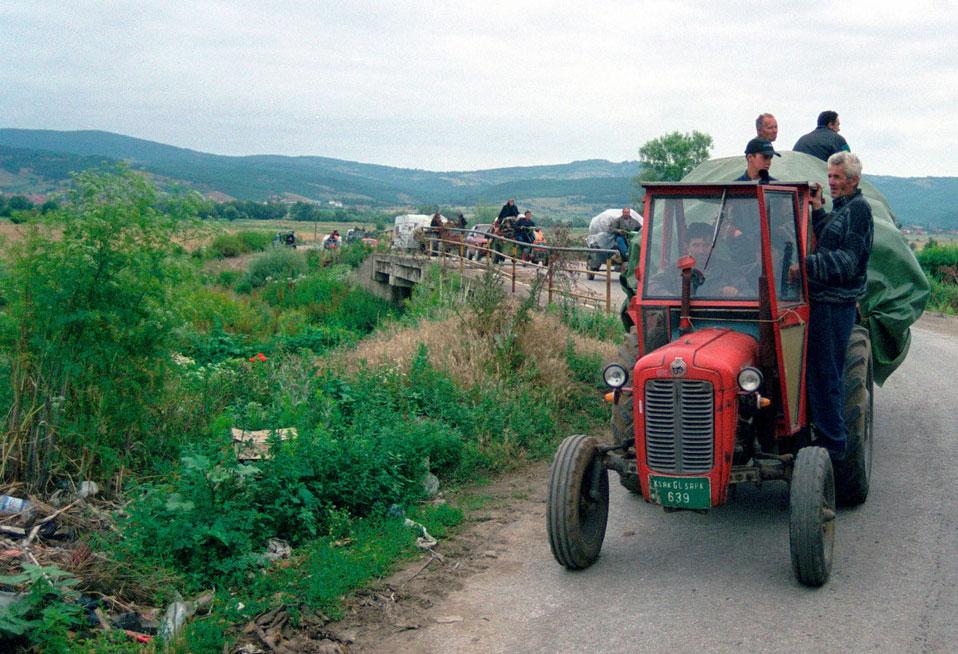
87,323
670,157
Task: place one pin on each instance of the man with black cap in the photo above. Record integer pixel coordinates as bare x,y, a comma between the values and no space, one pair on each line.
758,158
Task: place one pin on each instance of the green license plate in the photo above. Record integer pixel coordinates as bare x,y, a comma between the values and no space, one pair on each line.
681,492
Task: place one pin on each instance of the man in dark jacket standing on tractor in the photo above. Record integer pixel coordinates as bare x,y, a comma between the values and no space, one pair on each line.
824,140
837,272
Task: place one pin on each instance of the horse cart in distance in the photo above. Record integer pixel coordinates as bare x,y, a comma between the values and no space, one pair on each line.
709,390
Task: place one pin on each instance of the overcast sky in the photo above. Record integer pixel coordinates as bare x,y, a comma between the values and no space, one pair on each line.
470,85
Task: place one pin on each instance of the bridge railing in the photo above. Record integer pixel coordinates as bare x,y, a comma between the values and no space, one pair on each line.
521,256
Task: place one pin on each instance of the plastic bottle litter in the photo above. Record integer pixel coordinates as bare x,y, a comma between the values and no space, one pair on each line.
10,504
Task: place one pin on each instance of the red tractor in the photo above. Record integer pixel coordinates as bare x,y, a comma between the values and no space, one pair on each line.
709,390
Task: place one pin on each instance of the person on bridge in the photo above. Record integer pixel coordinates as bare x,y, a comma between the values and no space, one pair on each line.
837,272
509,210
504,226
524,227
435,228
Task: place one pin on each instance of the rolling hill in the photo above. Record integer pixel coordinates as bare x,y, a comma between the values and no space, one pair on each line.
38,161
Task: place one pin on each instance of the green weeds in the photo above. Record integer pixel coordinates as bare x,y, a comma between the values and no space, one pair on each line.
122,358
940,263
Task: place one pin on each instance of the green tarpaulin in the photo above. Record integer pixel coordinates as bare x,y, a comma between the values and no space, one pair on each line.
897,288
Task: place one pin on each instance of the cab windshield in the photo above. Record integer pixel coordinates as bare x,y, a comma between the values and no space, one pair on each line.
721,233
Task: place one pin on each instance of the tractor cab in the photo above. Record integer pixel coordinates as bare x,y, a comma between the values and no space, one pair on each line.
725,263
709,388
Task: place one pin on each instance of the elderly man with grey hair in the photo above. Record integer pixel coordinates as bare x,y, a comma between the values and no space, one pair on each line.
837,272
766,127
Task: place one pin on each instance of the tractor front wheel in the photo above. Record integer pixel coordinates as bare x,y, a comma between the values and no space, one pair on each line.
811,521
578,504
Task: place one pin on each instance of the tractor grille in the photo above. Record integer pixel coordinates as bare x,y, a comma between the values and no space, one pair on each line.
679,425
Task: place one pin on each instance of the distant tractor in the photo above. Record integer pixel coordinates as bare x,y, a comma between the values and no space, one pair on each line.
709,391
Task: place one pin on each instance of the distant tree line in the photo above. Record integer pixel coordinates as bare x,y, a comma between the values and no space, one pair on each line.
14,204
298,211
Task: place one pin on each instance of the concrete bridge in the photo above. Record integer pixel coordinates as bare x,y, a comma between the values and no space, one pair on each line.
393,275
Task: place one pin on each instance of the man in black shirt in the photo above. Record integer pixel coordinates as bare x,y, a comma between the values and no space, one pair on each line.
824,140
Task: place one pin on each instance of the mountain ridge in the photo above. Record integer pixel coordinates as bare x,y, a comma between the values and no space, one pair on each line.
40,160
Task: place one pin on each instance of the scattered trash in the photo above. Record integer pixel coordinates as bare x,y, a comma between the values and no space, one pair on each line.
133,621
176,615
430,483
138,637
424,542
10,505
88,489
277,549
254,445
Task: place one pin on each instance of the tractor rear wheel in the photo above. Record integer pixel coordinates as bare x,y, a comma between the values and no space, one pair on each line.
578,504
623,420
852,475
811,521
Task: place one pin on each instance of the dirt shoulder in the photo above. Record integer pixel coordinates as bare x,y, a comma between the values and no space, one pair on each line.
385,617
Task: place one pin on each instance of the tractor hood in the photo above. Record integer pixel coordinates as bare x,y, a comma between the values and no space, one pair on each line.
701,354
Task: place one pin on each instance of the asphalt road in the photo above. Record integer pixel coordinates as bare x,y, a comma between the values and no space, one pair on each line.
722,582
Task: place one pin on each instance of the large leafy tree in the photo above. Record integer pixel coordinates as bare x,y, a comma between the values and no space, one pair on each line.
670,157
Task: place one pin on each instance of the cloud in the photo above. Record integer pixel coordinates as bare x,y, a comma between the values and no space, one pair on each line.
479,84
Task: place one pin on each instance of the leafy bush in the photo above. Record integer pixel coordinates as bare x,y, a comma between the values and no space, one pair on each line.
228,278
944,297
47,612
254,241
93,320
940,262
234,244
279,264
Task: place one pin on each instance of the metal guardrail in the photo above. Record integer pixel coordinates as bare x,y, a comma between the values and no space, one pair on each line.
437,242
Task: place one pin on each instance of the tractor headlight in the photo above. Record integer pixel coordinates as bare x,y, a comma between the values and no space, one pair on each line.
750,379
615,376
